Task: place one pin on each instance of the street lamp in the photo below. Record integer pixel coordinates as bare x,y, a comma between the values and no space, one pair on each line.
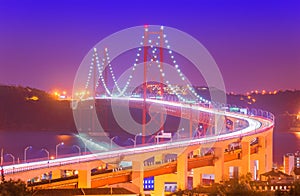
79,150
111,141
135,137
161,132
47,152
130,139
25,152
56,148
178,133
134,140
13,158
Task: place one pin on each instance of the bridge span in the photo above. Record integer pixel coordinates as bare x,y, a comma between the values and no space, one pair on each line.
251,152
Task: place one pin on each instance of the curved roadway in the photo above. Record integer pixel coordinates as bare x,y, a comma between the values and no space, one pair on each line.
256,125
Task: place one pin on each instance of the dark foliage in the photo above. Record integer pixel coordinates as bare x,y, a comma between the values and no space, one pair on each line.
13,188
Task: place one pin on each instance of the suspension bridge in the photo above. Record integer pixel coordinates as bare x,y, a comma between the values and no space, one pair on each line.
212,126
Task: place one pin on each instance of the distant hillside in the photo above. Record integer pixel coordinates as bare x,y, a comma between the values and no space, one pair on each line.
24,108
283,104
279,103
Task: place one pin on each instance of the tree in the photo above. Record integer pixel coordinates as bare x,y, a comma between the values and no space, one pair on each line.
296,188
230,187
13,188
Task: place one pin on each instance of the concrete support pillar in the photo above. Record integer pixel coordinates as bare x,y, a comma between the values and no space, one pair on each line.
84,178
219,164
245,165
182,171
138,175
197,177
261,155
269,150
159,183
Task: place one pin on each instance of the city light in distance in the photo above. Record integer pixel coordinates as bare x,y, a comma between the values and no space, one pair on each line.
59,94
263,92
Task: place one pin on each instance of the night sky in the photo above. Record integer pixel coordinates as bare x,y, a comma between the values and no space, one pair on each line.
256,44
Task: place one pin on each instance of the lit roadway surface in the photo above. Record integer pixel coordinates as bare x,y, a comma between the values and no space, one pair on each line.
256,125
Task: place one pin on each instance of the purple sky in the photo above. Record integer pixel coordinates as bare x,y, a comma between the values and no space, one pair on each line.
256,44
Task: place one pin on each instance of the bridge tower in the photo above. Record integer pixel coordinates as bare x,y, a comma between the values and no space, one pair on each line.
94,91
104,71
147,57
105,68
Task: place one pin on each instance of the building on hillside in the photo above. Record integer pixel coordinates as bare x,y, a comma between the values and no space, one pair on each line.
288,163
272,181
291,163
276,177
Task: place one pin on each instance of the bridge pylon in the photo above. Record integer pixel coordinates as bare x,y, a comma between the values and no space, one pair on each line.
147,58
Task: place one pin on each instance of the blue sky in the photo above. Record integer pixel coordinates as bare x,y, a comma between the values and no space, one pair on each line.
255,43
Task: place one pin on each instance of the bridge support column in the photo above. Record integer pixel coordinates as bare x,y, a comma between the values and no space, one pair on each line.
219,164
245,165
198,174
261,155
84,178
182,171
138,175
159,183
269,150
197,177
